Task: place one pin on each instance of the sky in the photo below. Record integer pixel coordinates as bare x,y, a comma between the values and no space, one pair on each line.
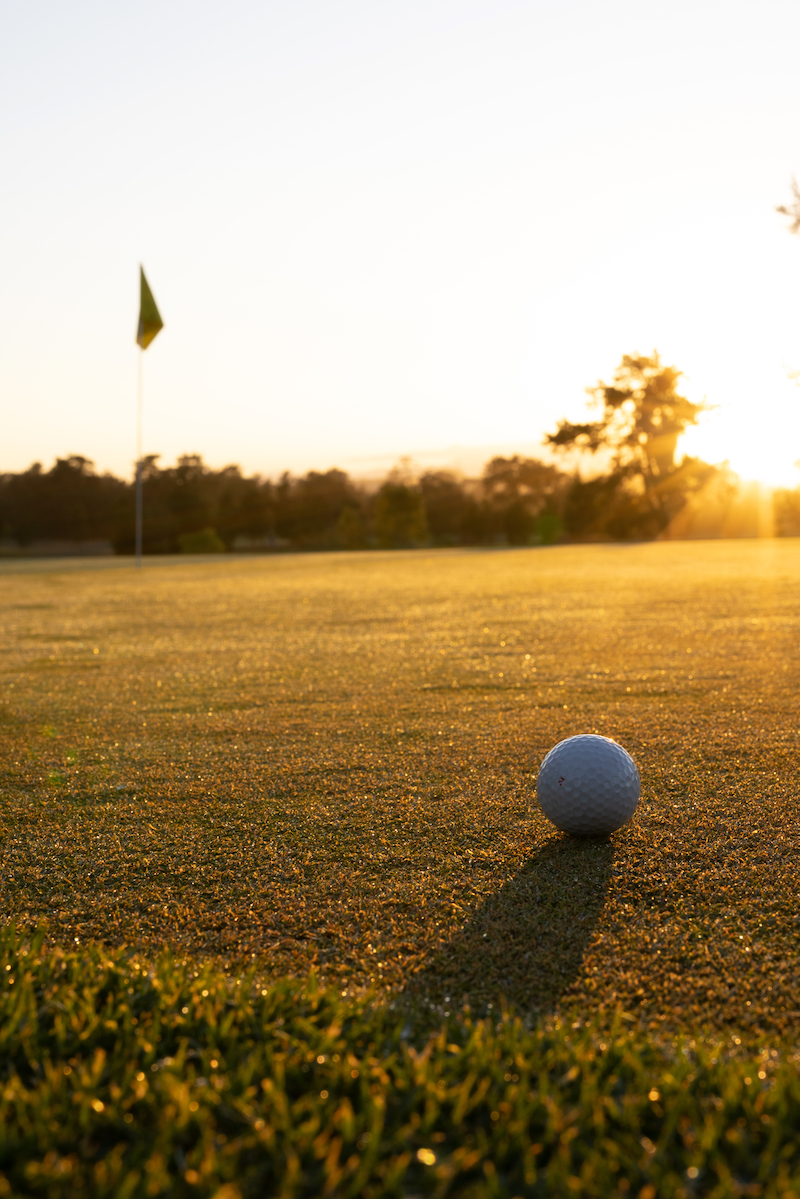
397,227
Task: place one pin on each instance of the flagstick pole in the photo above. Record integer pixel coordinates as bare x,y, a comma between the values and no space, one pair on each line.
139,464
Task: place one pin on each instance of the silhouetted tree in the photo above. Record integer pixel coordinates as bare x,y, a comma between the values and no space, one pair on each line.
191,498
308,510
70,502
176,500
352,529
642,415
519,491
588,504
641,418
400,521
786,506
452,512
244,507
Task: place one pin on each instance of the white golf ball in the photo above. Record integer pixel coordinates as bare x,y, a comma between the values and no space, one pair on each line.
588,785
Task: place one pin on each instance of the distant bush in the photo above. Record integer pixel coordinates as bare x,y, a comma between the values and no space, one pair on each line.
549,528
205,542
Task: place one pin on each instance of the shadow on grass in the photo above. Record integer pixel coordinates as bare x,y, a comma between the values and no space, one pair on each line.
526,944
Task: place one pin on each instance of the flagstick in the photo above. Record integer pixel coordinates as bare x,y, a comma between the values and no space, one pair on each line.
139,465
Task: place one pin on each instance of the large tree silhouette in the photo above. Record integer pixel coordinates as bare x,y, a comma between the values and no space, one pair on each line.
641,416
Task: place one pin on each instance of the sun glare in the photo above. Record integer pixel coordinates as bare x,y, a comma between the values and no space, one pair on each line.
758,438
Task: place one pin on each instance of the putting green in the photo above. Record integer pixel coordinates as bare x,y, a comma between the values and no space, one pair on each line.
328,761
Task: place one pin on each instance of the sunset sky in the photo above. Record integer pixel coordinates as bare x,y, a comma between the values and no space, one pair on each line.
375,229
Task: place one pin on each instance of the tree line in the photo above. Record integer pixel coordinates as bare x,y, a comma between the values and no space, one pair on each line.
191,507
619,478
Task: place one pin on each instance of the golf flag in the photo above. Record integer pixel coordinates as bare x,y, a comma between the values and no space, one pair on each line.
150,322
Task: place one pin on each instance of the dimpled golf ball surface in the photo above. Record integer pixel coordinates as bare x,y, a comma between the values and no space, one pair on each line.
588,785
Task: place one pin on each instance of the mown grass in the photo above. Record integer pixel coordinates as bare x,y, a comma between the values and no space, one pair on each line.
326,763
126,1077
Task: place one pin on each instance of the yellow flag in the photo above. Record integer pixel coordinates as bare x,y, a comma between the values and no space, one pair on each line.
150,322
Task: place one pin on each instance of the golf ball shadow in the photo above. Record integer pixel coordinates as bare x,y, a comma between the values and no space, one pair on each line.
588,785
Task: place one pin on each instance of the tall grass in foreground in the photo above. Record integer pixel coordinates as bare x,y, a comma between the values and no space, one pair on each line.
123,1077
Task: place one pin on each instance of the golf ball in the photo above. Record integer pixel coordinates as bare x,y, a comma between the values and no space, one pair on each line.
588,785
